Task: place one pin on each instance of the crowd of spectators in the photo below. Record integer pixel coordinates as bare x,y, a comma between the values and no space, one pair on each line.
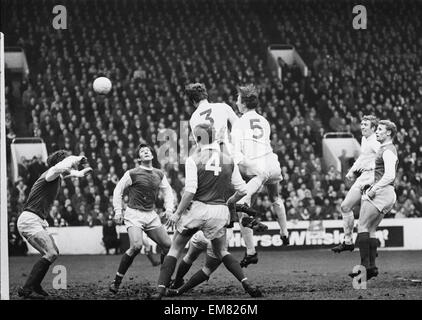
151,49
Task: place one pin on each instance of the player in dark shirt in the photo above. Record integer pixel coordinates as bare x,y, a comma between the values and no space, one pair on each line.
32,224
378,199
143,185
210,174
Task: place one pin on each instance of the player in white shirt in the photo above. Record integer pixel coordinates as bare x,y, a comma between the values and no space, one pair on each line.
216,114
364,169
253,153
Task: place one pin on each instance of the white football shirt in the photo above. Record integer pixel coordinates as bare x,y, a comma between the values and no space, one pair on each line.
369,148
217,114
251,137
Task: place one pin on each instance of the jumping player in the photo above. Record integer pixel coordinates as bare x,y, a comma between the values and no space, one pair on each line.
143,184
253,153
363,168
32,224
209,175
378,199
215,114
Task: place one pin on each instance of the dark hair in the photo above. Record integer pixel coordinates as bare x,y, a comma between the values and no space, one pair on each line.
390,126
372,119
196,92
204,133
56,157
144,145
249,96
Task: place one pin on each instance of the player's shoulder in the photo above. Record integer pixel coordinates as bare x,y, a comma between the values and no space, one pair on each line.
158,172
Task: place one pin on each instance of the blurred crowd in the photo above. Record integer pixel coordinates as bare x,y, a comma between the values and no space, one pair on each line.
152,49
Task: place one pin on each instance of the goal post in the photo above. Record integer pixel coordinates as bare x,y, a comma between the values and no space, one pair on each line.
4,242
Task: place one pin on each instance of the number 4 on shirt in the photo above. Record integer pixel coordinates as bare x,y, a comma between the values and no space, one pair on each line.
213,164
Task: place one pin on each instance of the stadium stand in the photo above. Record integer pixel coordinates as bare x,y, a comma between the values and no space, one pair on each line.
151,49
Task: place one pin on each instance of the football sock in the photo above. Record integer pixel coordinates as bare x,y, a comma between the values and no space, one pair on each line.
373,245
195,280
125,263
182,269
38,272
363,244
247,235
348,222
280,211
166,270
233,266
252,187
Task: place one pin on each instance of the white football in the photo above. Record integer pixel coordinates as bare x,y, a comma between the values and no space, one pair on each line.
102,85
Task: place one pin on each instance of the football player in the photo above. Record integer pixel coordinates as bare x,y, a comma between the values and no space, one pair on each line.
363,168
143,184
254,155
209,174
379,198
31,222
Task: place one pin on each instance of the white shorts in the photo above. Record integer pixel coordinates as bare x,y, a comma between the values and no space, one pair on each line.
212,219
201,243
270,166
367,177
146,220
384,199
30,224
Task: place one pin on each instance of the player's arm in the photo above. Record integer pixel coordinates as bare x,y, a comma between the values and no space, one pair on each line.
191,184
63,166
390,160
123,183
78,173
237,137
168,195
239,185
231,115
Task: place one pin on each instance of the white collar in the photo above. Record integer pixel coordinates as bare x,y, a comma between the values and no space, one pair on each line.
372,136
387,143
146,168
202,102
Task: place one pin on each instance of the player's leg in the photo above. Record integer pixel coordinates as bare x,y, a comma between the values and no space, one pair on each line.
369,217
232,265
148,251
279,209
169,264
197,244
351,200
159,235
135,245
373,241
44,244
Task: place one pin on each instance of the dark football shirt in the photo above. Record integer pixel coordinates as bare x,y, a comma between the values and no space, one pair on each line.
42,196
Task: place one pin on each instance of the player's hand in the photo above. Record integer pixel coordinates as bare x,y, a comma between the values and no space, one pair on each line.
173,219
81,173
118,218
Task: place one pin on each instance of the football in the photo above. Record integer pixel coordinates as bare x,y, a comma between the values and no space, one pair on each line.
102,85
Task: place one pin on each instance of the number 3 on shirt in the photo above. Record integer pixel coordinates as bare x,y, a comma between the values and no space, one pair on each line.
208,116
213,164
256,126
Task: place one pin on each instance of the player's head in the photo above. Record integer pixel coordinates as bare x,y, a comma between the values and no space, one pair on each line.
247,98
56,157
386,131
144,152
204,133
196,92
368,125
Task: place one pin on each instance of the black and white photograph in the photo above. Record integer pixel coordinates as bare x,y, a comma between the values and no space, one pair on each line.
230,151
